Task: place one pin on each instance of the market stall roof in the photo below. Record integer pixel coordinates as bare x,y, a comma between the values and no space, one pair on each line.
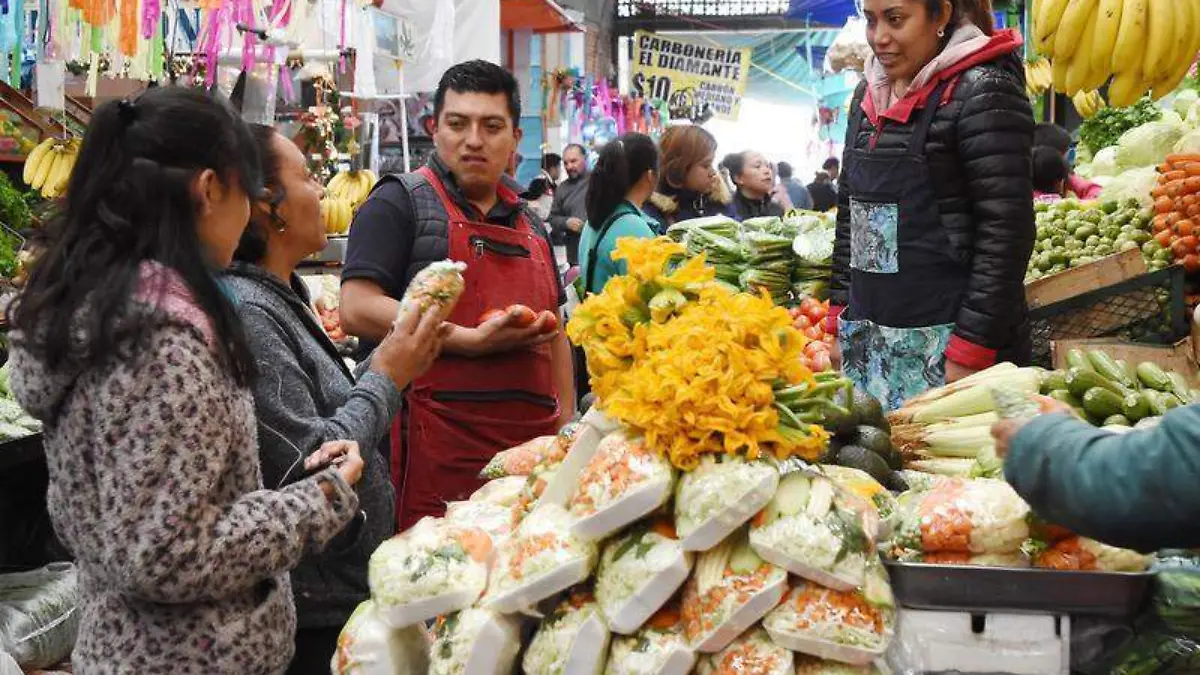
540,16
829,12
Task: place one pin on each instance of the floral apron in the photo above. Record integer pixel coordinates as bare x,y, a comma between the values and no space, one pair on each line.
905,284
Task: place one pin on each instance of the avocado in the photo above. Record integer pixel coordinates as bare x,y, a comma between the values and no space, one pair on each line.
875,440
869,409
858,457
895,482
792,495
842,424
830,456
894,459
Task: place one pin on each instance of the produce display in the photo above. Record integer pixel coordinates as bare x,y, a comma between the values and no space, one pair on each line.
370,646
474,642
1072,233
1143,45
639,571
48,167
1176,208
809,318
352,186
659,648
1114,394
572,639
753,652
851,626
1105,128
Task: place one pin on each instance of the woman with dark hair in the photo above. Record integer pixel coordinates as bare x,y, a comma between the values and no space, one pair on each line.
1050,174
688,183
129,351
754,180
935,215
621,183
305,396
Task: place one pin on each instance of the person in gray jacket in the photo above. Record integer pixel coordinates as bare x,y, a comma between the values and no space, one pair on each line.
305,395
568,213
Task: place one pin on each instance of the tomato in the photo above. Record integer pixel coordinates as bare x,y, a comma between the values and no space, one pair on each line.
1160,223
1183,246
490,314
1163,205
1191,263
1184,228
522,315
815,347
802,322
822,362
1164,238
807,304
551,321
813,332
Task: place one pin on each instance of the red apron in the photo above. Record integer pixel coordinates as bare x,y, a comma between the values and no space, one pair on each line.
465,410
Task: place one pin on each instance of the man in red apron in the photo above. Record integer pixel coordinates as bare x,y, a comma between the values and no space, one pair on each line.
497,383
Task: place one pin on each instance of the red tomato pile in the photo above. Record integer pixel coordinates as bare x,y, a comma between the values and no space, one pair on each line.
1177,209
809,318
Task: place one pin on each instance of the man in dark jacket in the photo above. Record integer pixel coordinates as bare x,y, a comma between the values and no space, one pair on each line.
569,211
824,197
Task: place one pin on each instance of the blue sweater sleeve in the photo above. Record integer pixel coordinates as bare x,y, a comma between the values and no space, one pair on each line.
631,225
1139,490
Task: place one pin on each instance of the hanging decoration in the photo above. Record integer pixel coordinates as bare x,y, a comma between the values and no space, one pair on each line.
595,113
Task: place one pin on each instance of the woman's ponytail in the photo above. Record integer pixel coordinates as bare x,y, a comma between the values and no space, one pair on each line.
622,162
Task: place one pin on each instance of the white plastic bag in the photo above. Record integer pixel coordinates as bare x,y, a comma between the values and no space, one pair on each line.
368,646
38,617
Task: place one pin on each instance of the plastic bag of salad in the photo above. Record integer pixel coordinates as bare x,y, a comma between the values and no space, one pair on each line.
658,648
817,530
753,653
964,515
438,286
494,519
502,491
730,590
368,646
870,490
811,665
433,568
851,627
572,639
639,571
521,460
719,496
474,642
540,559
623,481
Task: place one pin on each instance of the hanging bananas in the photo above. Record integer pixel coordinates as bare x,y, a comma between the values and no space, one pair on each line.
1037,77
352,186
48,167
336,215
1088,103
1144,45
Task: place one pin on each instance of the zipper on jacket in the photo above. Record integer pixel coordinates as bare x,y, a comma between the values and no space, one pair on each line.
481,244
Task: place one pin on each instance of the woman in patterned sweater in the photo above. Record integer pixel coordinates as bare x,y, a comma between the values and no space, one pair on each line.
129,351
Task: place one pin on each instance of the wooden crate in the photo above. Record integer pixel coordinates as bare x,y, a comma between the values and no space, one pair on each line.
1107,271
1179,357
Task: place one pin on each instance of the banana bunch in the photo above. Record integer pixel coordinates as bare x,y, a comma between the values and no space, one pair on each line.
1088,103
1037,77
48,167
1144,45
336,214
352,186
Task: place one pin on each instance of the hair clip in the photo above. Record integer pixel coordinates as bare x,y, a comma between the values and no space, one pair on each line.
127,111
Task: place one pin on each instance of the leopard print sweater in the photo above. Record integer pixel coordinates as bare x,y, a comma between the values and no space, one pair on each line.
156,489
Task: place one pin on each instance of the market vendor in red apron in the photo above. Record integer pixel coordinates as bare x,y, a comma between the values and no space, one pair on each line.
499,381
935,216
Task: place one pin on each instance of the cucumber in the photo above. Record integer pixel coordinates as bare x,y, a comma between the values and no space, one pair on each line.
1135,406
1157,401
1077,359
1117,420
744,560
1153,377
1130,373
1102,403
1054,380
1179,387
1107,367
1080,381
1067,397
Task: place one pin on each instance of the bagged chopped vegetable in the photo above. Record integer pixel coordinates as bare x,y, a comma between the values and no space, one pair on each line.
572,639
439,286
433,568
474,642
730,590
540,559
369,646
495,520
1177,592
852,627
961,515
623,481
502,491
659,648
817,530
639,571
533,490
861,484
521,460
39,618
719,496
811,665
1083,554
750,654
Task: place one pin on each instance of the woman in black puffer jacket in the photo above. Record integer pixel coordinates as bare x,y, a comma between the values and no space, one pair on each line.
935,214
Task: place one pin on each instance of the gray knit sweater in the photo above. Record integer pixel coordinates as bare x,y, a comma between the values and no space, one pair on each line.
305,396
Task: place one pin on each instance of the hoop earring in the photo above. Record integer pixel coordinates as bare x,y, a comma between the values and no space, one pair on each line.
941,32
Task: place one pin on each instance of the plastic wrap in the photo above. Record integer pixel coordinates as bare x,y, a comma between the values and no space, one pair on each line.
474,642
730,590
435,567
811,665
719,496
753,653
521,460
659,648
39,620
438,286
622,482
572,640
1086,555
963,516
368,646
817,530
540,559
494,519
850,49
502,491
638,573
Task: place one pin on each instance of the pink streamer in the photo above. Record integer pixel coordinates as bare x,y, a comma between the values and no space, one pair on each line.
342,41
285,79
151,15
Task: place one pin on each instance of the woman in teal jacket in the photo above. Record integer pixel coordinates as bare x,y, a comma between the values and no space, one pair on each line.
1139,490
624,178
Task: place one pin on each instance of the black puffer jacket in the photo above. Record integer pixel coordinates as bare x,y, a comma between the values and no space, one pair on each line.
979,154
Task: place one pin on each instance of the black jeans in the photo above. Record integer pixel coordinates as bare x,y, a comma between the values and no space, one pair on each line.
314,651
